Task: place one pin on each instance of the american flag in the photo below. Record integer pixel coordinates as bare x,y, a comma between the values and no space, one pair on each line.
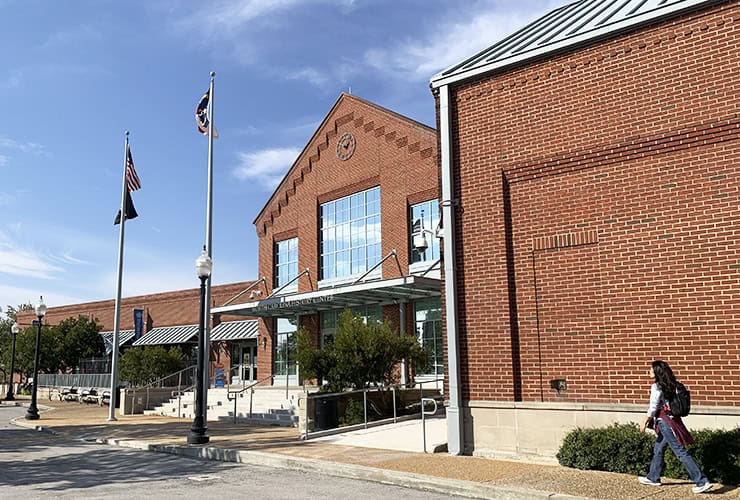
132,179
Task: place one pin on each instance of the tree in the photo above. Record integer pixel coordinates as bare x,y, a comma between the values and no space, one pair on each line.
77,339
361,355
140,366
61,347
6,338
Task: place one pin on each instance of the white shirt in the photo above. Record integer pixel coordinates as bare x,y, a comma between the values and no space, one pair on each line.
656,400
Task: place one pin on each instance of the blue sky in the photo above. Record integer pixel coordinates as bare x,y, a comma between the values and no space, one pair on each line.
77,74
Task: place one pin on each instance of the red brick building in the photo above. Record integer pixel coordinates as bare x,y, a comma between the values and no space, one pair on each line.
171,318
589,165
337,233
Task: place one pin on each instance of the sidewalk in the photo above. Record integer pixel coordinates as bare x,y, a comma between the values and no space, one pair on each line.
281,447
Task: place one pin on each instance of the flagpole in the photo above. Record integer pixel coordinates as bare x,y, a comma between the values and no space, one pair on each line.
209,251
117,317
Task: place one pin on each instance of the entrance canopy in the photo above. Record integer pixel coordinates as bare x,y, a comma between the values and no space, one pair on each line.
168,335
390,291
235,330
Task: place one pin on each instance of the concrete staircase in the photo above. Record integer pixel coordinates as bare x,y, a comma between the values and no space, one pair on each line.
269,406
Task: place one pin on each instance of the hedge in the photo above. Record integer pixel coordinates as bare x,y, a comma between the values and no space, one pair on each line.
623,448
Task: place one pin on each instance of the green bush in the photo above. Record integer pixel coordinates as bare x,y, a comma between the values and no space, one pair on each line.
716,451
354,413
617,448
623,448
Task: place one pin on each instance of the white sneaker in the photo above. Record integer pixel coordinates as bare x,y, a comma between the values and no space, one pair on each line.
644,480
701,489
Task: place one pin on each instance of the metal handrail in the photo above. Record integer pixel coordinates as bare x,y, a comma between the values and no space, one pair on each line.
249,388
392,387
152,384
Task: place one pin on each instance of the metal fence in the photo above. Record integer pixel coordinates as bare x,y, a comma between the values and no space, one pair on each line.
75,380
95,365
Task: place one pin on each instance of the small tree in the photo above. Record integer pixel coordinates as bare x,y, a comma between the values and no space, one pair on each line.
140,366
360,356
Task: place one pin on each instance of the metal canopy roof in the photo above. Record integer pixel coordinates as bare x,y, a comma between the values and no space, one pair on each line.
235,330
168,335
389,291
123,337
567,26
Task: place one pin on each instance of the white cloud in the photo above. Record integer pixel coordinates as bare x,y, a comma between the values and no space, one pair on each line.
24,147
19,262
3,160
14,296
267,166
312,76
453,42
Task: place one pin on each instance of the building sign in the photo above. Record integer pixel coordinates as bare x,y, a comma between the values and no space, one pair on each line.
290,304
219,377
138,323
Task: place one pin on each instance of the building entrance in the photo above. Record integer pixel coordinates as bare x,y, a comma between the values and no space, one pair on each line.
244,363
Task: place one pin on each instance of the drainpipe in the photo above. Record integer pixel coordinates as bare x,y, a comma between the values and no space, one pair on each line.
402,320
455,432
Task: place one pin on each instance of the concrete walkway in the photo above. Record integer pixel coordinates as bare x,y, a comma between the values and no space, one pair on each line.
281,447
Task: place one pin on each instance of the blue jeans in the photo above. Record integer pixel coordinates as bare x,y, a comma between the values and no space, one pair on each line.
665,439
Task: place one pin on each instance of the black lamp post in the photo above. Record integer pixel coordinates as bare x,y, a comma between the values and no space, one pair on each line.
198,431
14,331
33,411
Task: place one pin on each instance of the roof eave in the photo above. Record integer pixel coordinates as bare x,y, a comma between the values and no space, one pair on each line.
612,30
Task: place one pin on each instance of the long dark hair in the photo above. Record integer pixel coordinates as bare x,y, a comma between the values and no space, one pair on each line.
664,378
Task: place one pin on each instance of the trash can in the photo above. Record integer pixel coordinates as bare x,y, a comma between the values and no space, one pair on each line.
326,414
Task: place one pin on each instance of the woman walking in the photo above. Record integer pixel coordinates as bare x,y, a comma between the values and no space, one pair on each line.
671,430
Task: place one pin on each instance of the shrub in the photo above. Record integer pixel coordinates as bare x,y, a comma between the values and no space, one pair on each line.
623,448
617,448
716,451
354,413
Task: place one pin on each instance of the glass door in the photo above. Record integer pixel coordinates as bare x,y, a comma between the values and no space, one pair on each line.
286,368
248,368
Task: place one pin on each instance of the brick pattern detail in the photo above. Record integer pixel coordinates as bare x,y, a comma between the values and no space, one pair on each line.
630,146
324,141
565,240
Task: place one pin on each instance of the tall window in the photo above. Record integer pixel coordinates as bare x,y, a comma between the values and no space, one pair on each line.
371,315
286,263
285,346
350,235
429,331
425,215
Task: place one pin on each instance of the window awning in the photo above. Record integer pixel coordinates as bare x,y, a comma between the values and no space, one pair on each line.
388,291
123,337
235,330
168,335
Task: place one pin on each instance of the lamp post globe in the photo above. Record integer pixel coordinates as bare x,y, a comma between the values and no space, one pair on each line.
14,330
199,431
33,411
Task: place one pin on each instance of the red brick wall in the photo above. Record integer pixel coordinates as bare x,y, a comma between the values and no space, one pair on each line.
161,309
628,151
391,151
164,309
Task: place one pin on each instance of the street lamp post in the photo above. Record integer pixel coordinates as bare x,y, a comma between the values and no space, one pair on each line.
14,331
33,411
198,431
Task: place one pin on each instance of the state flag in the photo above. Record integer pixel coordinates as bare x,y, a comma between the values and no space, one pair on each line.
201,115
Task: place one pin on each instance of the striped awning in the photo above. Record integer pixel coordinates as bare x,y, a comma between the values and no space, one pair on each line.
235,330
123,337
168,335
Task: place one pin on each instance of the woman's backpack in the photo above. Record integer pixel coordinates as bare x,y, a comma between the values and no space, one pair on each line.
681,402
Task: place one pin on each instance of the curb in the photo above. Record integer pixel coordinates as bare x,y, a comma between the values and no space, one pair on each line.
462,488
469,489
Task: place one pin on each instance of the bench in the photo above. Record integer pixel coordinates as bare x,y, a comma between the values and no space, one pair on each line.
95,395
